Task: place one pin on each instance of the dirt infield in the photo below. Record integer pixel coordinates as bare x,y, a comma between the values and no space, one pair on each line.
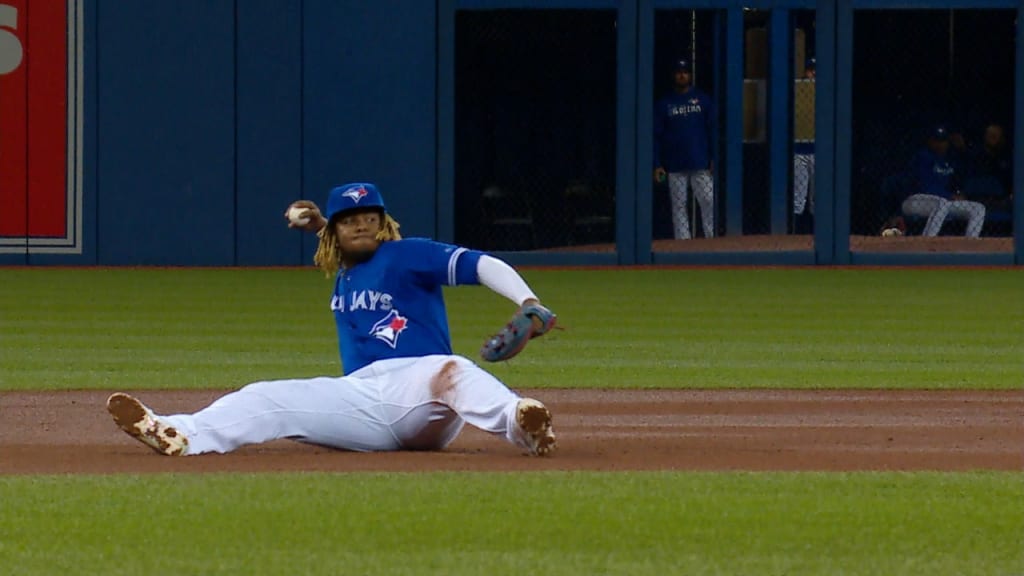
70,432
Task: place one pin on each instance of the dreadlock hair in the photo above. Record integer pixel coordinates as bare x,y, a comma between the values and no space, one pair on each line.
328,255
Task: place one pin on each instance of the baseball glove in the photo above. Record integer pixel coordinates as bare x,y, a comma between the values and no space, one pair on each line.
530,321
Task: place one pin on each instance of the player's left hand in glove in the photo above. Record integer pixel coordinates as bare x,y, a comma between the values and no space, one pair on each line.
530,321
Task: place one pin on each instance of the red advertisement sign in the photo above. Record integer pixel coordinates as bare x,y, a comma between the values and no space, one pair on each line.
40,126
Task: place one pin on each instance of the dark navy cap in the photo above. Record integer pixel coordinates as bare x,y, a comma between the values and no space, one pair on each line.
682,64
811,63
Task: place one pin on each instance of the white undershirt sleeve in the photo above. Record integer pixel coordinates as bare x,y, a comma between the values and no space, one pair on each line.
503,279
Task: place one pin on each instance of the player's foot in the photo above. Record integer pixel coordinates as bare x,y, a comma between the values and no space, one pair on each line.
534,419
140,423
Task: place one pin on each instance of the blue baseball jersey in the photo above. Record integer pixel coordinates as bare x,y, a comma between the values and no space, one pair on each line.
933,174
392,306
685,131
805,147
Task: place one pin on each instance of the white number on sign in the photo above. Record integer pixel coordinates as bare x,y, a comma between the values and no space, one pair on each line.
10,46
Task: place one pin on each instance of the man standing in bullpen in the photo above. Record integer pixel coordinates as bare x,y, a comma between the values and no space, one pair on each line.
684,141
803,162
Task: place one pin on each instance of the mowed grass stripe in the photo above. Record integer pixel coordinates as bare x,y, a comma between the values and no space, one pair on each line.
555,523
775,328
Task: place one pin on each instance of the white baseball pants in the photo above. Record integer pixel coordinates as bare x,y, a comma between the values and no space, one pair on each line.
703,186
936,209
396,404
803,183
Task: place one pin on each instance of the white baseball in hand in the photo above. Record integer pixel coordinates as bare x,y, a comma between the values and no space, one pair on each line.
295,216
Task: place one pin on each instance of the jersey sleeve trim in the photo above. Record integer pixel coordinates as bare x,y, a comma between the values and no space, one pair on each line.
452,265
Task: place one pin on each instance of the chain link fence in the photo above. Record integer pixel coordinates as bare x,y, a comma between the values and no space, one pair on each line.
535,125
932,111
757,168
697,36
536,129
756,150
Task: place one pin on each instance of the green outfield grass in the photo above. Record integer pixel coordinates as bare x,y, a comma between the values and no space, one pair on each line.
536,523
803,328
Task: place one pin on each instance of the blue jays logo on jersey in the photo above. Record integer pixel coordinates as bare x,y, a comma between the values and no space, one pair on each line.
356,194
389,328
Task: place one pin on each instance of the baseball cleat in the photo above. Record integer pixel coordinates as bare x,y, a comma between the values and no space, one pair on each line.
140,423
534,419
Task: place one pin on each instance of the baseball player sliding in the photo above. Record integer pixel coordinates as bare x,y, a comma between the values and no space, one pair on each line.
402,388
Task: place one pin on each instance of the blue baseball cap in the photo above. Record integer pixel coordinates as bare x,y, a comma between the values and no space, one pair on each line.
354,195
682,64
811,63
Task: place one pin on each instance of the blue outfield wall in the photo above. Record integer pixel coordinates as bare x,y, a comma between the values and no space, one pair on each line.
166,132
203,120
369,104
268,109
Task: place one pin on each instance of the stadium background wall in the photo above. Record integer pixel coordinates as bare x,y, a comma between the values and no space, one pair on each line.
191,125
